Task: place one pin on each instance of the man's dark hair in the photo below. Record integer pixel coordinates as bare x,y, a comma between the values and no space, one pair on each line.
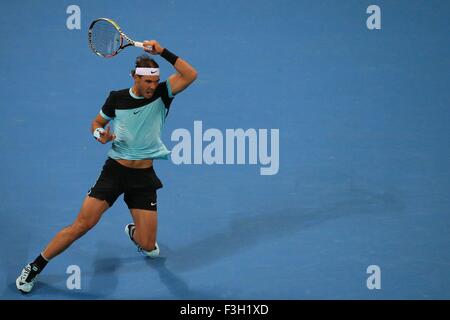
144,61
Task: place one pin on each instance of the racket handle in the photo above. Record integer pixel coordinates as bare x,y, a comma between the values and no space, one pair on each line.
141,45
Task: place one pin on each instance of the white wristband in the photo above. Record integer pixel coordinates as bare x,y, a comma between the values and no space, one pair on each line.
97,133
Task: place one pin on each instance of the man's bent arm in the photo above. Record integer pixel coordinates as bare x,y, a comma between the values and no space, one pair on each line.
99,122
186,74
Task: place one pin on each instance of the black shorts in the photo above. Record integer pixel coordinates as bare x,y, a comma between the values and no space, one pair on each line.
138,185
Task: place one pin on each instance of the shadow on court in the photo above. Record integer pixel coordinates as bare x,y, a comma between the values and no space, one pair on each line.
242,234
108,268
175,284
104,277
246,232
107,271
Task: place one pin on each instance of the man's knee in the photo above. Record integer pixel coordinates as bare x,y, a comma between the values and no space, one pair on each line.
80,227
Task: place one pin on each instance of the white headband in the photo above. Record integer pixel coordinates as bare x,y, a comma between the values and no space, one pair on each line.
147,71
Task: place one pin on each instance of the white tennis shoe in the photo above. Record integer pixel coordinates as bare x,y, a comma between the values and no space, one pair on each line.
28,276
129,231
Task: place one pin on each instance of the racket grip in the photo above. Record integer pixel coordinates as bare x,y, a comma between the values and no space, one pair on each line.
139,44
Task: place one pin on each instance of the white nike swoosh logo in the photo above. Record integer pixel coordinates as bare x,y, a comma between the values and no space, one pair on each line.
153,204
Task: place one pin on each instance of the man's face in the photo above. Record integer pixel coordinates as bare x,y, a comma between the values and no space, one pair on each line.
146,85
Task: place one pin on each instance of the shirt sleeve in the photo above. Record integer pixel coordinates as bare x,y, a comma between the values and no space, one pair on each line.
166,93
108,111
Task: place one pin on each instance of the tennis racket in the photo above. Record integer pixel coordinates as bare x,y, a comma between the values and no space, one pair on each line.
106,38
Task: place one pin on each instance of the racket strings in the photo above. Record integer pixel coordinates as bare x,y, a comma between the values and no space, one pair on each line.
105,38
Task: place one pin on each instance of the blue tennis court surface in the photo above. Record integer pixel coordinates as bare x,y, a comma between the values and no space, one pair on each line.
364,159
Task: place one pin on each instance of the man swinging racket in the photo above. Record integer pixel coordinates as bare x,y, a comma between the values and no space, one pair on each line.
138,114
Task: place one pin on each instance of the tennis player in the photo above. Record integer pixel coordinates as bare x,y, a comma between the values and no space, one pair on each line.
138,114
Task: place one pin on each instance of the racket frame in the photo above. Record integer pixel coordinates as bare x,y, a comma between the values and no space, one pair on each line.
122,37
